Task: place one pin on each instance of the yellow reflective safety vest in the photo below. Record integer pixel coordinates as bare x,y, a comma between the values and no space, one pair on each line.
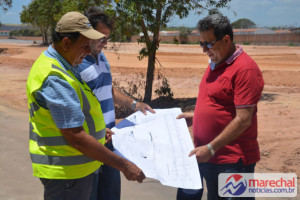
52,157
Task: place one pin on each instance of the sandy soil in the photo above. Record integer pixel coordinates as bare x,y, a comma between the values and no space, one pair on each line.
183,65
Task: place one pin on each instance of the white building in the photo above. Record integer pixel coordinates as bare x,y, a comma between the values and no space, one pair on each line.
4,33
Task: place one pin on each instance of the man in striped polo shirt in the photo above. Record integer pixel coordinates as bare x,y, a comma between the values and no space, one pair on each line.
95,71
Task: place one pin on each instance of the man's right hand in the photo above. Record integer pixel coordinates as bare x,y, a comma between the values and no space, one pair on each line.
108,135
133,173
202,154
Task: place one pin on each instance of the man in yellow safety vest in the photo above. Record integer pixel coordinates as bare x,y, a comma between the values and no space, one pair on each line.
67,129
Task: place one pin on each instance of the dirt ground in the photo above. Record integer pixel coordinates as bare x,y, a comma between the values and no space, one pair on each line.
183,65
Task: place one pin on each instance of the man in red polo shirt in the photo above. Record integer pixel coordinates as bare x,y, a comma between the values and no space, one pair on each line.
224,120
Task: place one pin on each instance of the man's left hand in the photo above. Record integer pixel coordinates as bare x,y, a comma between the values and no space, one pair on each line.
143,108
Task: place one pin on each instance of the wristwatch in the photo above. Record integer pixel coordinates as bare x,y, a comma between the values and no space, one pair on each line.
133,105
211,149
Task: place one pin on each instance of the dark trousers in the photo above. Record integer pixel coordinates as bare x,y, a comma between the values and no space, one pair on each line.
69,189
109,184
210,172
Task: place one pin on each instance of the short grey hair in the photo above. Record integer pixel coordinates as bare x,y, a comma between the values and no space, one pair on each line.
217,22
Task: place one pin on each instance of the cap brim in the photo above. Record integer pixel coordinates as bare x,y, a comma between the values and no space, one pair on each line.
92,34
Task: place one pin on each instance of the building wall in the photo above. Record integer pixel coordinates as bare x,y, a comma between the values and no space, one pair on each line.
254,39
296,30
4,33
269,39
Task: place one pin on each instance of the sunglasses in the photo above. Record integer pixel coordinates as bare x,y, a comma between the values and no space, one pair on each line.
209,44
104,40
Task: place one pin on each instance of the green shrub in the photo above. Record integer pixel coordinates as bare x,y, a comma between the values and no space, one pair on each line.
26,32
165,90
246,43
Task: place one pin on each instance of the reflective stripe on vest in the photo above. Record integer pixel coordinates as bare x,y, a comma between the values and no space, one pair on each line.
57,140
60,160
33,107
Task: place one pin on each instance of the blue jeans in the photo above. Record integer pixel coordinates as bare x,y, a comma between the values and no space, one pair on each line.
210,172
109,181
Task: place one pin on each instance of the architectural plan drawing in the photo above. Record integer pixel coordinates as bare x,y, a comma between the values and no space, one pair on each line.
159,144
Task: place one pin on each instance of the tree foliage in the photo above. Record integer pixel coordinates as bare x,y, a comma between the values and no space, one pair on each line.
26,32
41,14
183,34
151,16
243,23
45,14
131,16
5,5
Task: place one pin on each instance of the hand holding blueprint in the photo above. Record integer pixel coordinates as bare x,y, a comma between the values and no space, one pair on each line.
159,144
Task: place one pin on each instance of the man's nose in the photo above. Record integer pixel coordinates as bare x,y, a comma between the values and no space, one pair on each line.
205,49
104,43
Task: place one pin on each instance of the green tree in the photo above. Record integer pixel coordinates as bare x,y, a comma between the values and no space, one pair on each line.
81,6
243,23
5,4
124,28
183,34
41,14
45,14
131,16
151,16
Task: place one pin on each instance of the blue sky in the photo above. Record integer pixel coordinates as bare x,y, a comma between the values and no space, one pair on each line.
261,12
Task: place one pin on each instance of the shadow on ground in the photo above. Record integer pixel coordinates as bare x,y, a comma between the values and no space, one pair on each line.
268,97
186,105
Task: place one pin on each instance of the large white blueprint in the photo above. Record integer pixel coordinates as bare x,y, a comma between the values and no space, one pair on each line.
159,144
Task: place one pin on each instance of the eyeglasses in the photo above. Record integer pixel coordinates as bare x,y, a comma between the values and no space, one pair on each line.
209,44
104,40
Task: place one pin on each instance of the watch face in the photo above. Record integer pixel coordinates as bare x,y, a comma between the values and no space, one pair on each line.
133,105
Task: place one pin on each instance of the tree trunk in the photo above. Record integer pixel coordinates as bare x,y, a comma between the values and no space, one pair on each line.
46,38
43,37
152,47
150,76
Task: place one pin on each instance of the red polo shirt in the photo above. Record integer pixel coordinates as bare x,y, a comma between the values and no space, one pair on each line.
236,83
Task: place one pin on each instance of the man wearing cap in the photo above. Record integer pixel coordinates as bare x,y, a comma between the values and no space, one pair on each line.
67,129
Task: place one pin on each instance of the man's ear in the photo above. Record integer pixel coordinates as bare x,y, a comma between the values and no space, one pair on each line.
65,43
227,40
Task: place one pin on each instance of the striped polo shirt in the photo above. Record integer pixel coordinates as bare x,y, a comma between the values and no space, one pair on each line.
97,74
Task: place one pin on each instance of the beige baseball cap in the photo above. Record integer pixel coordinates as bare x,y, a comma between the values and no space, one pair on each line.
76,22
